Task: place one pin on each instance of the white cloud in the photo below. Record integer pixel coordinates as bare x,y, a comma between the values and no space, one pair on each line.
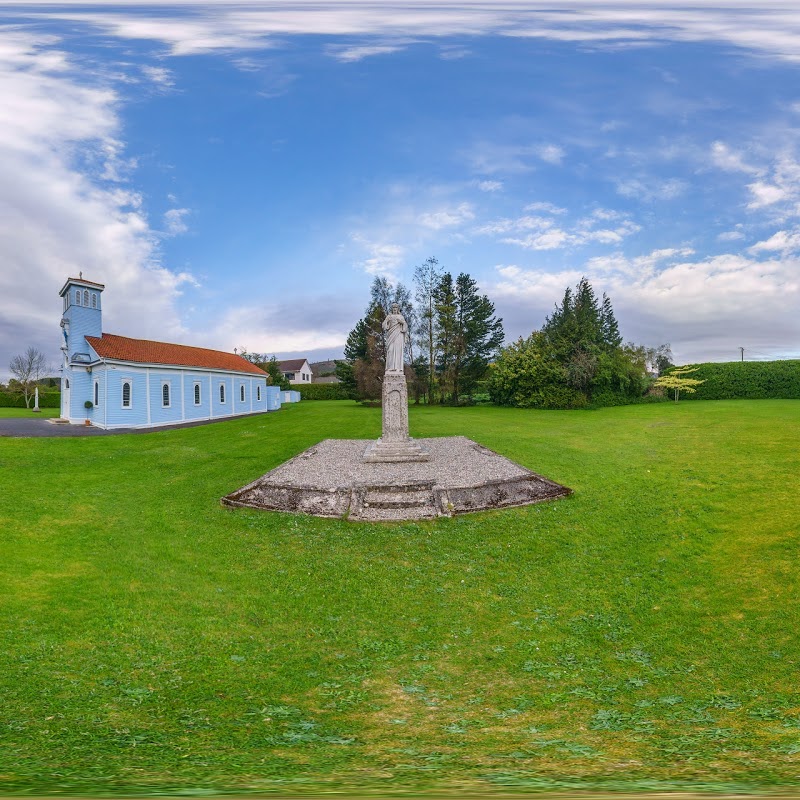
547,208
551,153
782,241
383,258
705,308
547,240
724,157
447,217
489,186
778,189
160,76
453,52
542,233
350,53
59,219
730,236
322,324
766,194
769,28
651,190
175,221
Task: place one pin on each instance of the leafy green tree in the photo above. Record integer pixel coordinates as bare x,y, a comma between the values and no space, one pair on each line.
273,369
426,279
444,298
677,381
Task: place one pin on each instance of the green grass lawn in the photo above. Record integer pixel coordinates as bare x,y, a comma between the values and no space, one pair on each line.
643,633
26,412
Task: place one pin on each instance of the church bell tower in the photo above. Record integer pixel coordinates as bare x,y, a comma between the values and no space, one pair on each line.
81,316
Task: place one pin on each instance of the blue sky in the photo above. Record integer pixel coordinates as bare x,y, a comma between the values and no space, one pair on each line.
236,174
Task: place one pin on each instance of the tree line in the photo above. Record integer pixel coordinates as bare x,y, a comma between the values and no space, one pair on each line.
454,336
576,359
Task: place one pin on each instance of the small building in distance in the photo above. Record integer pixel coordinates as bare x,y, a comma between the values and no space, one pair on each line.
119,382
324,372
296,370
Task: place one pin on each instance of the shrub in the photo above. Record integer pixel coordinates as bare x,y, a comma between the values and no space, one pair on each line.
323,391
46,400
747,380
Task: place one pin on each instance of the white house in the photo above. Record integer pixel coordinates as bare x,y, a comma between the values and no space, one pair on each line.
296,370
119,382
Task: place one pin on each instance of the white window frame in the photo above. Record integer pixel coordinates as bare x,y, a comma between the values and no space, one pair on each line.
77,297
128,381
166,385
222,399
258,393
197,393
94,299
96,397
86,297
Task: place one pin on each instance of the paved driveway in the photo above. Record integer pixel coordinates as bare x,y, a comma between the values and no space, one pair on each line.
23,427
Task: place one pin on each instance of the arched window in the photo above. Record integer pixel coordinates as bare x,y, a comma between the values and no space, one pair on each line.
94,299
97,393
126,394
258,393
222,393
197,394
77,297
86,297
66,383
241,393
165,395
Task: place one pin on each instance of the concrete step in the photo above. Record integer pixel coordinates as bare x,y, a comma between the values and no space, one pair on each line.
394,514
399,499
390,503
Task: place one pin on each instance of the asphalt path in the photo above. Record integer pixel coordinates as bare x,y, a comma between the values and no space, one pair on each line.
25,428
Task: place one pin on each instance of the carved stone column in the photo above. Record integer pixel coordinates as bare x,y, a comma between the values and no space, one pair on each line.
395,444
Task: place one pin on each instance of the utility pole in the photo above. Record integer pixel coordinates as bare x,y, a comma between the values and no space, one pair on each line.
742,349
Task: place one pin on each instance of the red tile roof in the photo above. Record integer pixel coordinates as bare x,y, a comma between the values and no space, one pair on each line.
142,351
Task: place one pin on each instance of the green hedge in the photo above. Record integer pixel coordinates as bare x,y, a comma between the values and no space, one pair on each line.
747,380
46,400
323,391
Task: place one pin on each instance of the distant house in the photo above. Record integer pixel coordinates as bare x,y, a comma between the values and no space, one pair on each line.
324,372
296,370
119,382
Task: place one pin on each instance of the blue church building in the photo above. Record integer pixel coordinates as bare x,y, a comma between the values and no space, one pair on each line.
119,382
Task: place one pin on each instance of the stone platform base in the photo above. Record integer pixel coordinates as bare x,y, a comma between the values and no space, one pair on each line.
393,452
332,479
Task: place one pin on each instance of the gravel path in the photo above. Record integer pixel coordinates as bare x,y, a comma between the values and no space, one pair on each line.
455,461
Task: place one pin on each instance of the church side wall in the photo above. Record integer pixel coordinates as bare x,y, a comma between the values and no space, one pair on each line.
147,386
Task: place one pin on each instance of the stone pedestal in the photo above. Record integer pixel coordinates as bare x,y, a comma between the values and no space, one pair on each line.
395,444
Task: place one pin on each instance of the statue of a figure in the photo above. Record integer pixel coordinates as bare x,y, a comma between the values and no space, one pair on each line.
396,331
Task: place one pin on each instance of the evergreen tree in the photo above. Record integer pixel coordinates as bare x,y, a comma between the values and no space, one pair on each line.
608,325
479,335
575,359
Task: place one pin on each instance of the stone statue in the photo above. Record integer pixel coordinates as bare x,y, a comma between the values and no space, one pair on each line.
395,444
396,331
